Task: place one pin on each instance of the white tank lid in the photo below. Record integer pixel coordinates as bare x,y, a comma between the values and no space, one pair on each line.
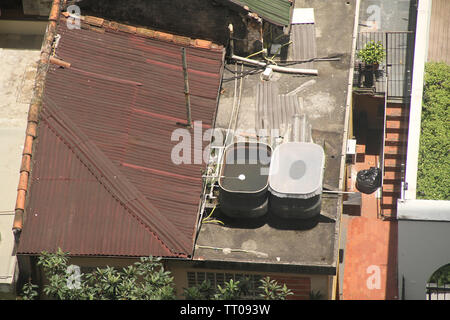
296,170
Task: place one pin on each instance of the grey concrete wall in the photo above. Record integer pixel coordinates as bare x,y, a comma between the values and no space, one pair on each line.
423,247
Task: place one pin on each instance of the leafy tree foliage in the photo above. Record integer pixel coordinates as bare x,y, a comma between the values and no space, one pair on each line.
236,290
144,280
442,276
433,179
29,291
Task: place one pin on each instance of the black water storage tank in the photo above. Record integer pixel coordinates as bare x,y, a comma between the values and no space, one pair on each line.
243,180
295,180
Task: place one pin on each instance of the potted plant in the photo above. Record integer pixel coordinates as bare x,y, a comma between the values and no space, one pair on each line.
371,55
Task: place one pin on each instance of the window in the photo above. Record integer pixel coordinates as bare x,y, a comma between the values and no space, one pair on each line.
253,290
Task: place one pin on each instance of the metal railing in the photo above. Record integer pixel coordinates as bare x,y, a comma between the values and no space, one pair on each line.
383,144
397,45
436,292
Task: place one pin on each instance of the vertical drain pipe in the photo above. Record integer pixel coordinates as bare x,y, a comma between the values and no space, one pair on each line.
231,29
186,89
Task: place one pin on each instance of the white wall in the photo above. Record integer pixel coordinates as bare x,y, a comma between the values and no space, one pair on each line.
423,247
420,55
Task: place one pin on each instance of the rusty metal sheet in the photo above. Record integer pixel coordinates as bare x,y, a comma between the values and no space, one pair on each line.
103,182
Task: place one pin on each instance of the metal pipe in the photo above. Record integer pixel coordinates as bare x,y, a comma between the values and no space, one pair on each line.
231,29
339,192
276,68
383,145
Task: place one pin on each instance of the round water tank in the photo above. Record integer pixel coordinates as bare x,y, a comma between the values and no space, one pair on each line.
243,180
295,180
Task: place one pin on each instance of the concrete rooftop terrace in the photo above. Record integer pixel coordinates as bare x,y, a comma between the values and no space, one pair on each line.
305,246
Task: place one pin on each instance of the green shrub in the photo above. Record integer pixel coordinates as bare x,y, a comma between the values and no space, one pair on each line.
372,53
433,179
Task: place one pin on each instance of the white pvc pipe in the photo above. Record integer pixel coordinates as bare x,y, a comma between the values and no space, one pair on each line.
276,68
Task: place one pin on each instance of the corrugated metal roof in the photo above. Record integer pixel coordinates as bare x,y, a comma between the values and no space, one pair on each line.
274,11
103,182
275,111
303,47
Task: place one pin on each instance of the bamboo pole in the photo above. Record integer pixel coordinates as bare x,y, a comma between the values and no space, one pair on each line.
186,89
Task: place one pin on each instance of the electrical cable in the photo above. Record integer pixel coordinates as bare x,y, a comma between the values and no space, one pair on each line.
238,75
259,69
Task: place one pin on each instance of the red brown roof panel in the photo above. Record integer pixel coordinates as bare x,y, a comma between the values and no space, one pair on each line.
102,181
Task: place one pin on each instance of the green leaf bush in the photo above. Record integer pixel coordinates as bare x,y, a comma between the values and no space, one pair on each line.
433,177
372,53
144,280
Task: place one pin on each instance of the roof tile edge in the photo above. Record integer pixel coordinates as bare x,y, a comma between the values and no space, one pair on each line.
112,26
33,119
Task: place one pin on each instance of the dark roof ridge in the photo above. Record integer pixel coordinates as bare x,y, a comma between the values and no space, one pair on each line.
113,180
103,25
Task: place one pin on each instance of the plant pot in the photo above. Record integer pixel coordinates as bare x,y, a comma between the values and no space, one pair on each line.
368,74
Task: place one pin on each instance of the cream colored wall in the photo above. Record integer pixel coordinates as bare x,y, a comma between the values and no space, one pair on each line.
179,272
102,262
23,27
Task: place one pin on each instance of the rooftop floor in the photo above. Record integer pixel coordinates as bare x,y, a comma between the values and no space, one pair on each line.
270,241
370,262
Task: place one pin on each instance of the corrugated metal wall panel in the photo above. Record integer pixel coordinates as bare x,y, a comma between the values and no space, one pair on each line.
274,11
303,47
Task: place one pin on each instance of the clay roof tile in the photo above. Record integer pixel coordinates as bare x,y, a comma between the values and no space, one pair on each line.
33,113
98,22
31,129
126,28
28,147
147,33
23,181
26,162
20,202
203,44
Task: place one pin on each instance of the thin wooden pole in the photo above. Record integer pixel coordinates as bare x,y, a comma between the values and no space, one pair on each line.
186,89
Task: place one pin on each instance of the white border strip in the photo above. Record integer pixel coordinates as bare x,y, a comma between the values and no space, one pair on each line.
348,107
415,113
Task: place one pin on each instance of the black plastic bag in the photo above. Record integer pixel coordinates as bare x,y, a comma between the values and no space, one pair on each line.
368,181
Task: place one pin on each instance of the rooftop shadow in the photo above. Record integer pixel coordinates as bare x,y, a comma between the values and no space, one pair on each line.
21,42
294,224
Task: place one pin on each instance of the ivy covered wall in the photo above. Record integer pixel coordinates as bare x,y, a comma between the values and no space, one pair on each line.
433,179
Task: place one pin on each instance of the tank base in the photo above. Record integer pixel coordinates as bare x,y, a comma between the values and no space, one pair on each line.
300,209
245,213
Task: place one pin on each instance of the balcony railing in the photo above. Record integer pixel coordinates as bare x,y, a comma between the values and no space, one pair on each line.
399,56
